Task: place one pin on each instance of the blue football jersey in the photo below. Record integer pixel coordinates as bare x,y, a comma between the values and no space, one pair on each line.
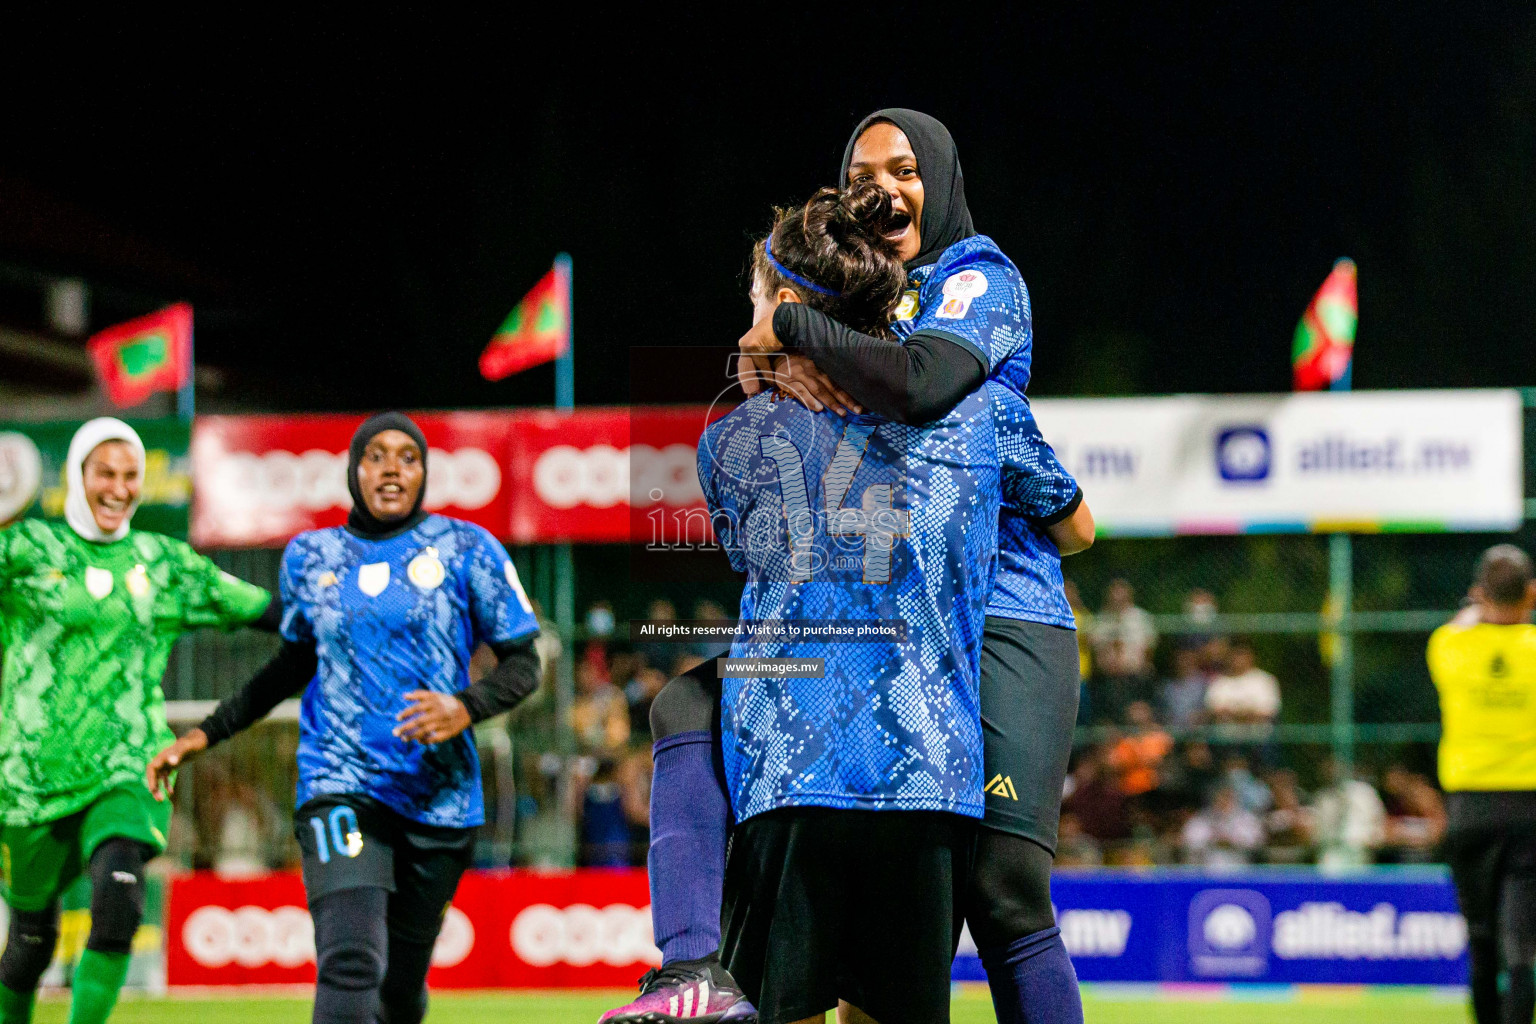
850,520
388,617
974,296
1036,488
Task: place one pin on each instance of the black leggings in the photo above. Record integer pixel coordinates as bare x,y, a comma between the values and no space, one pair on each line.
370,968
1010,876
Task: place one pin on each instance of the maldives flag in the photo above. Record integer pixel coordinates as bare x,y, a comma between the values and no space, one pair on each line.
538,330
138,358
1325,338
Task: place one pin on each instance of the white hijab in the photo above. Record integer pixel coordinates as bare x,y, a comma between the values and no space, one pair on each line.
77,510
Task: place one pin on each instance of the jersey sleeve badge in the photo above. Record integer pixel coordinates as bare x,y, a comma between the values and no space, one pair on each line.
968,284
907,308
955,308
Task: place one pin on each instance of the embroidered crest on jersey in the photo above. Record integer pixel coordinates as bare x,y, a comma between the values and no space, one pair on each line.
906,309
967,284
98,582
955,308
373,578
426,570
137,580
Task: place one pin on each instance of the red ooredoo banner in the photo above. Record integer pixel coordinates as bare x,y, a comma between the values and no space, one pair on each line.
506,929
528,476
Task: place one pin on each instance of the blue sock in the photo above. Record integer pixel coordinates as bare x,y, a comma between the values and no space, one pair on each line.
1033,982
690,813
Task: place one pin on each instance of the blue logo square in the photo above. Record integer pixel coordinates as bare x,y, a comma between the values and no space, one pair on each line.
1244,454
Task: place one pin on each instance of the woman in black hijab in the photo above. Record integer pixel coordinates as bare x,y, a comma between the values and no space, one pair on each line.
967,321
945,356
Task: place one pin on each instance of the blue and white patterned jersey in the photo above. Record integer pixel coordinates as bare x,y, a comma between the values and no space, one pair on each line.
388,617
851,520
974,296
1036,488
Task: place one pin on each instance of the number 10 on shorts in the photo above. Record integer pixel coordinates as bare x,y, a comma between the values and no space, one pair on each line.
343,834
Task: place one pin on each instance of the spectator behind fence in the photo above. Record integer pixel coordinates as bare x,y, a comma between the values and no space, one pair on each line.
1136,755
605,827
640,692
1237,775
1183,694
1093,797
707,611
600,716
1245,694
1415,816
1075,848
1289,822
659,654
1085,620
1200,608
1348,817
1226,834
1123,640
1190,778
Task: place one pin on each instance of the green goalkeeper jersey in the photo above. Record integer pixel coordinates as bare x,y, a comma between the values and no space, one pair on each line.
88,629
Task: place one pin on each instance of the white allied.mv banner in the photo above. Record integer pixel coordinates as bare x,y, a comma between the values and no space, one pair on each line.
1317,461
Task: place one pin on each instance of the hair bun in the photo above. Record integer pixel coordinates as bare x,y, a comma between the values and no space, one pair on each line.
864,206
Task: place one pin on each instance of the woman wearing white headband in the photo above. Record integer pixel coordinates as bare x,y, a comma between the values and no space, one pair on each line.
89,611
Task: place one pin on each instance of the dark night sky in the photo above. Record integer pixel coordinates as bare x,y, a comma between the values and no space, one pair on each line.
1173,187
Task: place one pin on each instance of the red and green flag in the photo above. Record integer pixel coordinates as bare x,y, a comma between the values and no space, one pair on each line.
538,330
1325,338
141,357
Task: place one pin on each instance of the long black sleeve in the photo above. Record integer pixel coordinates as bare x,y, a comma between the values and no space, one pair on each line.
289,671
515,676
915,382
270,620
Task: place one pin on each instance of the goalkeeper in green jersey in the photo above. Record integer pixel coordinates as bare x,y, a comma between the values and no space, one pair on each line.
88,614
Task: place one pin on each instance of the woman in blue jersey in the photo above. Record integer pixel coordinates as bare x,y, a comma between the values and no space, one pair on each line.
964,319
381,618
968,320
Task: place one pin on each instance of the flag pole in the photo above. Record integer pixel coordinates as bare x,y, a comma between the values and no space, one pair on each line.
1341,583
565,364
565,565
186,398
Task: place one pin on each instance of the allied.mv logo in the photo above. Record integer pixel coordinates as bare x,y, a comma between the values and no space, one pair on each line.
1243,454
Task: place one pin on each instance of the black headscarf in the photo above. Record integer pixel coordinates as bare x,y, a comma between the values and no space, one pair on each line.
946,218
361,521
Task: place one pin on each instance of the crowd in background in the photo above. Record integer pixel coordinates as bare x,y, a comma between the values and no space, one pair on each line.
1179,763
1186,769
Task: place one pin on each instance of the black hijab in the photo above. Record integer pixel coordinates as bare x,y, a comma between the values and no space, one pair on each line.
360,521
946,218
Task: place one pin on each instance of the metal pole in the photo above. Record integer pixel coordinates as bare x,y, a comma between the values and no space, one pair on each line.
1341,584
565,566
186,395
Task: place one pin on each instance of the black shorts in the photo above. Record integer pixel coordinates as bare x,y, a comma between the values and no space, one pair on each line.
1489,838
353,841
823,904
1029,690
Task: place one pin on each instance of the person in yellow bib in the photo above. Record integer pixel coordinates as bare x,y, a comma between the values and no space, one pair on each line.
1483,664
